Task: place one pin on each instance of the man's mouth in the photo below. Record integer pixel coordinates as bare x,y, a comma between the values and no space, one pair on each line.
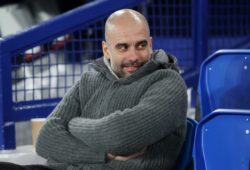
131,69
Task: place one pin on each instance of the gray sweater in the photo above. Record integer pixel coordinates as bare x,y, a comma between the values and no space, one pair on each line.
102,114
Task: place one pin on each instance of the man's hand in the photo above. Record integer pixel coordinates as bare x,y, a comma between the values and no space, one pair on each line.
125,158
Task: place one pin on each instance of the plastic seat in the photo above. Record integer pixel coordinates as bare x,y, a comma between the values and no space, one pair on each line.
186,159
222,141
225,81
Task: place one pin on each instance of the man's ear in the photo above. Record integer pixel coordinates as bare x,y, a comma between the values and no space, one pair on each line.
105,49
151,43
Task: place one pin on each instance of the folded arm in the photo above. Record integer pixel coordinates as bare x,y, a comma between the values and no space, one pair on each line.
57,143
161,110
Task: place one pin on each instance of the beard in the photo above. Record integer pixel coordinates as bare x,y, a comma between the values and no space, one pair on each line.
127,68
133,64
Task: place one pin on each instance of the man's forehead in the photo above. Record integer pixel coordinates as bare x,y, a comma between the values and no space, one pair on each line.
127,34
132,42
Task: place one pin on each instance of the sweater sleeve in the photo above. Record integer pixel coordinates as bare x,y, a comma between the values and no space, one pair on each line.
57,143
161,111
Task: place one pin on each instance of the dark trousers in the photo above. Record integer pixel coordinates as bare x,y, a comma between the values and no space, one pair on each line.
11,166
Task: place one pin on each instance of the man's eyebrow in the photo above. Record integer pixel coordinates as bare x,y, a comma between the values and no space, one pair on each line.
121,45
126,44
141,42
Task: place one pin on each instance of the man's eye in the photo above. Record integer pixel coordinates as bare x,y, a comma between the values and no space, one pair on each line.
122,47
142,45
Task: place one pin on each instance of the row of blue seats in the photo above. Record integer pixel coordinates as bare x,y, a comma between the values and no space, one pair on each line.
221,140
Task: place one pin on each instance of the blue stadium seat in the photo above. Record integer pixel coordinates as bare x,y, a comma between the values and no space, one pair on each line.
224,81
186,159
222,141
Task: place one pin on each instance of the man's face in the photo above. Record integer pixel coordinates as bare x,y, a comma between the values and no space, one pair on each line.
127,48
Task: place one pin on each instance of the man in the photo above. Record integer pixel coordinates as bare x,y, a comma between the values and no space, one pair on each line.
128,114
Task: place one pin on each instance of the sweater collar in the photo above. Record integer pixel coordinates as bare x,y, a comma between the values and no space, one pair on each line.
159,60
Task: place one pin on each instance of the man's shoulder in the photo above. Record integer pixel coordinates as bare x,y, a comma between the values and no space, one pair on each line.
166,77
165,74
91,75
92,78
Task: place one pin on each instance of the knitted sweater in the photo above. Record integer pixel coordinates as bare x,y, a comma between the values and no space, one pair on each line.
101,114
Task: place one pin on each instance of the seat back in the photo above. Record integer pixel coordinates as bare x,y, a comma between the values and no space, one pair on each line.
185,158
222,141
225,81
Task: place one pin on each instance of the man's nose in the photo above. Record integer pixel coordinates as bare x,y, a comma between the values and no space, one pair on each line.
133,54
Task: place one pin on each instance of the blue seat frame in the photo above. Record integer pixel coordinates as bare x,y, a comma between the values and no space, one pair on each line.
222,141
186,158
224,81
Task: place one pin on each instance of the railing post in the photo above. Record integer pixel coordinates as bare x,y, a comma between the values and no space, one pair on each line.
7,126
200,30
200,37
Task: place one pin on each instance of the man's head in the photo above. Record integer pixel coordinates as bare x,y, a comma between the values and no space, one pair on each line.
128,43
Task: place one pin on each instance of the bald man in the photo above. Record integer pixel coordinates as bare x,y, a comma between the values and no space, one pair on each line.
130,114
